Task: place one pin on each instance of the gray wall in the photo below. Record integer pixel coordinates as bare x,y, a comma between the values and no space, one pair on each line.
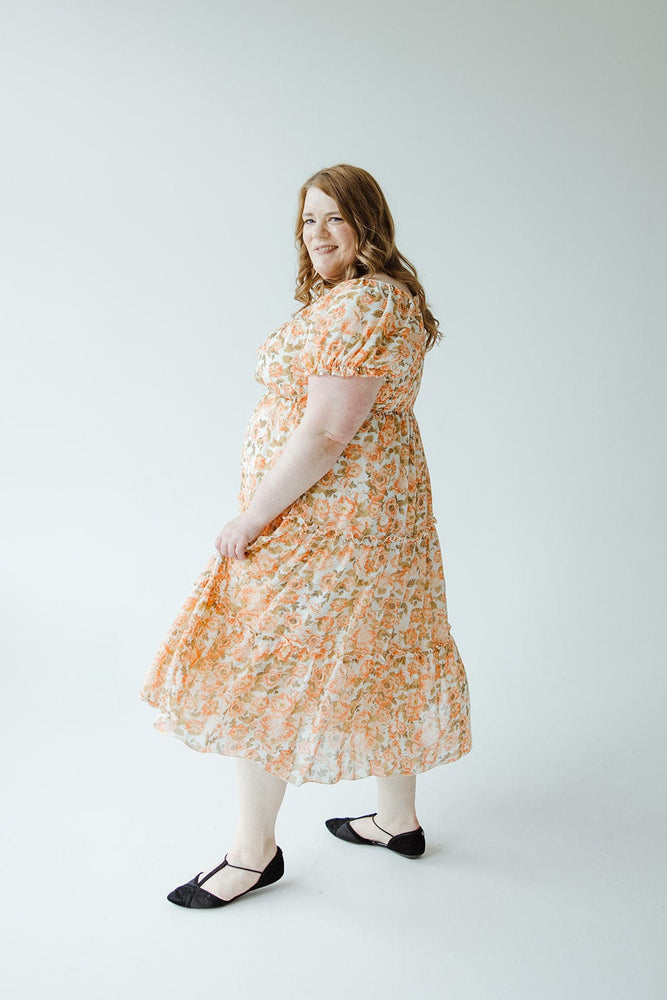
151,158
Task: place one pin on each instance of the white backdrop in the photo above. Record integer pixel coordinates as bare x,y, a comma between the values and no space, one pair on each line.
152,154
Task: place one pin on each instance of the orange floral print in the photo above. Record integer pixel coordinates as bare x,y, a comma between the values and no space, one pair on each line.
327,653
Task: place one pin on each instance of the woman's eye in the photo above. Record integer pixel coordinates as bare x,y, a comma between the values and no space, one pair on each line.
333,218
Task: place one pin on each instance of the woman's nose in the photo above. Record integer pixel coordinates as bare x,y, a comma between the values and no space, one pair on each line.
320,229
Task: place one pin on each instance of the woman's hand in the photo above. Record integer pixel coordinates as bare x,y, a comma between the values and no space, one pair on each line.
237,535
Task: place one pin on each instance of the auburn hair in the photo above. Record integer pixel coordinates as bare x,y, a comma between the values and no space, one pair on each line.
364,207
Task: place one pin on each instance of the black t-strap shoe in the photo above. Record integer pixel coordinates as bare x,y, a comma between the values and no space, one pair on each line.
411,844
192,895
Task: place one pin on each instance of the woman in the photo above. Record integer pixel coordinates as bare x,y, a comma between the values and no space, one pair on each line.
315,646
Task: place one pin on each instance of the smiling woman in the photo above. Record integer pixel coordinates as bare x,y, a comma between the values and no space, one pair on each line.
315,645
329,239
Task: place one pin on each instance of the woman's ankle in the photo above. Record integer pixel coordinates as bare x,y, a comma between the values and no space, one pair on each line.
251,851
395,823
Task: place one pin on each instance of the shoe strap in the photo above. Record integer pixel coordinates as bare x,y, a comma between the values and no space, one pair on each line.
224,864
392,835
258,870
373,815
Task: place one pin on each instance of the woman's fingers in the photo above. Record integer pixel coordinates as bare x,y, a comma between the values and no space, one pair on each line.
236,536
231,546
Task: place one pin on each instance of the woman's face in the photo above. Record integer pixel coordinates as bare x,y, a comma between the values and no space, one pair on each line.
331,242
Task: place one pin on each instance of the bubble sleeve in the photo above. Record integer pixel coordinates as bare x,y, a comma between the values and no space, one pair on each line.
356,331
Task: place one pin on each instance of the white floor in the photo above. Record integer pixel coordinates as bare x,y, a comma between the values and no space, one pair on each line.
542,878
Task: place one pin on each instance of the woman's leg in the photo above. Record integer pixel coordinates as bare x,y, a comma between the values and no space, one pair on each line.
260,796
396,811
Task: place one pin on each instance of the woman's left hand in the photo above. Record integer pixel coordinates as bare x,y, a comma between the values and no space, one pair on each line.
236,536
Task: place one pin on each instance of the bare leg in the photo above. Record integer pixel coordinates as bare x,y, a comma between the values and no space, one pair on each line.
396,810
254,844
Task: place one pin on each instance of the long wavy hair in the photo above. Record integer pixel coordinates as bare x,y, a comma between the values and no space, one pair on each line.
363,205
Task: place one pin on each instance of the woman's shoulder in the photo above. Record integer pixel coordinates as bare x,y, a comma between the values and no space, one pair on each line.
379,276
372,287
368,293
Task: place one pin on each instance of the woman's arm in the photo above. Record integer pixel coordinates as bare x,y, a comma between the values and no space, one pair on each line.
335,410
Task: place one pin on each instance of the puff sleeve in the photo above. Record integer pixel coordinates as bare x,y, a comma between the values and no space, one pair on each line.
357,329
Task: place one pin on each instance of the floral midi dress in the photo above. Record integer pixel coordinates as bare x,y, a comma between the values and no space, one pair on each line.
327,653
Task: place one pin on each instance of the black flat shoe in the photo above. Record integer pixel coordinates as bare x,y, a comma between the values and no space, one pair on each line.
411,844
192,895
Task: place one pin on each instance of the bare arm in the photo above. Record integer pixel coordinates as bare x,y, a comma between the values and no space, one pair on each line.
335,410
